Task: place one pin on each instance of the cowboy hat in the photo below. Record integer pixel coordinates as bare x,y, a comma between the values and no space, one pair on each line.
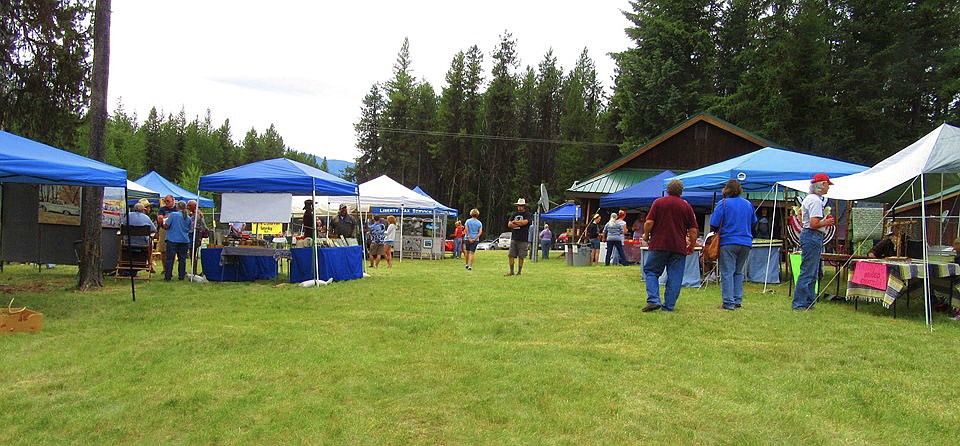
521,202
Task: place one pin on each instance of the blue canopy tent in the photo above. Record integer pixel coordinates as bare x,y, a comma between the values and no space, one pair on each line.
451,212
26,161
760,170
643,193
281,175
164,187
567,211
23,160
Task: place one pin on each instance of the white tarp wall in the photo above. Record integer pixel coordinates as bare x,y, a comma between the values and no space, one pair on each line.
259,207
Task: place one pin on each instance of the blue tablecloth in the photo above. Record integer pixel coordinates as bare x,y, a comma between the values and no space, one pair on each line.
240,268
691,269
341,263
757,263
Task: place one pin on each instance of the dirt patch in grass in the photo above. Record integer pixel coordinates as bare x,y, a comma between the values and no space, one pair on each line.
30,287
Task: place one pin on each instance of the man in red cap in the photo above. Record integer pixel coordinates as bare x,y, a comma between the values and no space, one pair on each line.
811,241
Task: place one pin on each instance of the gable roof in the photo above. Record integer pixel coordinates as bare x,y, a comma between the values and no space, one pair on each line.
702,117
609,182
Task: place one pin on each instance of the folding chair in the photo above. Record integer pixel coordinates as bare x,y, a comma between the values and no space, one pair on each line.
709,271
133,258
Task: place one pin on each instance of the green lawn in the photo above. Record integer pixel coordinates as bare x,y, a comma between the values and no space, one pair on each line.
430,353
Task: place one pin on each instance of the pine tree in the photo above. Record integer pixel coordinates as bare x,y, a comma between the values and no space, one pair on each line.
497,174
668,76
368,137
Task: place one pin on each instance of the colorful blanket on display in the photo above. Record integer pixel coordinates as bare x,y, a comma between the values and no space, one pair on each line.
898,274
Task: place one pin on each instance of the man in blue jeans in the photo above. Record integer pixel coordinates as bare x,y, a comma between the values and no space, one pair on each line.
671,233
811,241
178,226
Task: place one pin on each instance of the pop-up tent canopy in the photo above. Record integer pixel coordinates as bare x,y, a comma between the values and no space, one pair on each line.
568,211
164,187
760,170
26,161
451,212
643,193
277,175
136,192
281,176
938,152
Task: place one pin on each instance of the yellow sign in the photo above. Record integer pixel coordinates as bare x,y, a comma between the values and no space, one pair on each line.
267,228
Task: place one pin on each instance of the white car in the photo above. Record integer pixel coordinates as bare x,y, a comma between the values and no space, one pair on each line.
487,245
503,242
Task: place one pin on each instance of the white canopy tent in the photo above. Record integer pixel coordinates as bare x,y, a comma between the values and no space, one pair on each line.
380,193
937,152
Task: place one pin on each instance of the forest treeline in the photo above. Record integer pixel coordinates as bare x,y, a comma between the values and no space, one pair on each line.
850,79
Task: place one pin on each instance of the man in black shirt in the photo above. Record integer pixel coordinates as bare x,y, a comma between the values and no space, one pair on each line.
519,225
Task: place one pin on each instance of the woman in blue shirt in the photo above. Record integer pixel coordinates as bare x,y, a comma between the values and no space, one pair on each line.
733,220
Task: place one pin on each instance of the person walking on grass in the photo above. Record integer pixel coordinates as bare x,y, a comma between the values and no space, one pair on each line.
473,232
519,224
733,221
671,233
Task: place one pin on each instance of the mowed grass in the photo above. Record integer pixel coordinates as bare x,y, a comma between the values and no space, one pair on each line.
430,353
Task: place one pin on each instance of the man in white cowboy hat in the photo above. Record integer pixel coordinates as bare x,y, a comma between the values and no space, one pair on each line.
519,225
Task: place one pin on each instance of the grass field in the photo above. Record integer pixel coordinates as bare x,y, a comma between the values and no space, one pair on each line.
430,353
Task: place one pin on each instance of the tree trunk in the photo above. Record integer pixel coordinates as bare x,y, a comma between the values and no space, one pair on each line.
90,274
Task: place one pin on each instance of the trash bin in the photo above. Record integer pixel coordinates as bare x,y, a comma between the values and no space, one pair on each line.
581,256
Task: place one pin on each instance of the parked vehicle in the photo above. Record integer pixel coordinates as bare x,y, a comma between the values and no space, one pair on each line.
60,208
503,242
487,245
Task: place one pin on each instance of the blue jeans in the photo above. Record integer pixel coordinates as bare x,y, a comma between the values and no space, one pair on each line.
545,248
733,258
622,258
180,250
811,243
654,263
457,246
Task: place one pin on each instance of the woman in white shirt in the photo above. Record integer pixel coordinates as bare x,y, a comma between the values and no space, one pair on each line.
389,237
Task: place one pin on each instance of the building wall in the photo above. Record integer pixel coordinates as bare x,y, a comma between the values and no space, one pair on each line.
699,145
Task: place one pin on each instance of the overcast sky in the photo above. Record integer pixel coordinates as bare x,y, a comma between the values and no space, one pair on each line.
305,66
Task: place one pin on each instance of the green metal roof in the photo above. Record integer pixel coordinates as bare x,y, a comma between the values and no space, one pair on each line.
611,182
933,198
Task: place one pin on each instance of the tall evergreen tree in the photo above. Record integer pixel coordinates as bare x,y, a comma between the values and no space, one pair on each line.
369,142
45,68
668,76
399,153
90,273
500,154
542,160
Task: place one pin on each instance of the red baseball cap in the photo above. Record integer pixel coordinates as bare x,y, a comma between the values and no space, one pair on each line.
821,177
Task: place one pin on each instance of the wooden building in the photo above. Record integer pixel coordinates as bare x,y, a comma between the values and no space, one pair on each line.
697,142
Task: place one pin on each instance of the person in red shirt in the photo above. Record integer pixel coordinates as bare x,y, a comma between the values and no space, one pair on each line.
671,233
457,239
